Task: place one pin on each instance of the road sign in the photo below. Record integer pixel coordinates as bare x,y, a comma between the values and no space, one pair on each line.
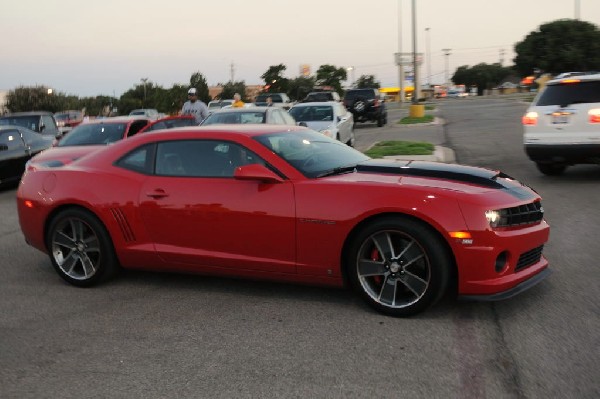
407,58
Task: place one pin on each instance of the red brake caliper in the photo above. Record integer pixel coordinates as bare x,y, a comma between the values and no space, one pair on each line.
376,257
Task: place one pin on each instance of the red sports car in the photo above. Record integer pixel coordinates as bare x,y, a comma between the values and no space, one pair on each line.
286,203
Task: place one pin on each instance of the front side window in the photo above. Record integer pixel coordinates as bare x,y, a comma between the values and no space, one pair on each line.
202,158
10,140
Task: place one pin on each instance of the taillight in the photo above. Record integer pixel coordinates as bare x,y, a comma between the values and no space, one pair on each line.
594,115
530,118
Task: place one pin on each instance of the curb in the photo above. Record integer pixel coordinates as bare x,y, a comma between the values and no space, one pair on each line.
440,154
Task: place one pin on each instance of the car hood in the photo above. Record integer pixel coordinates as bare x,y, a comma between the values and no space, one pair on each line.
59,156
441,175
319,125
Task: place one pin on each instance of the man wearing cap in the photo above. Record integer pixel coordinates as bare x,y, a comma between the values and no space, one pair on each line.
194,107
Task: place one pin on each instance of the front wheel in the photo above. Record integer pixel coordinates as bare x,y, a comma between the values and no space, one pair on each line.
551,169
399,266
80,248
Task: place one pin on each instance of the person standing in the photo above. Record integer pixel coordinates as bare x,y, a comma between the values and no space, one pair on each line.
269,101
194,107
237,101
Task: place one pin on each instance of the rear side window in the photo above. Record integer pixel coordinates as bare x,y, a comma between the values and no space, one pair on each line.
570,93
140,160
366,93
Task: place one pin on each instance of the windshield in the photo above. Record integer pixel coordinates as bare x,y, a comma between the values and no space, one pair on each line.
29,122
92,134
313,113
234,117
312,153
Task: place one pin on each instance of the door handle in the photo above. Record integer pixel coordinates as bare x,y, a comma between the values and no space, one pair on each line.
157,194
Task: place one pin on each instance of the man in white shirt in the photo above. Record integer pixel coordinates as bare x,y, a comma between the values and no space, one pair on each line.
194,106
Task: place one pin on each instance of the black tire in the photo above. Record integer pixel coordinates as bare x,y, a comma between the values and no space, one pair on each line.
551,169
399,266
380,120
80,248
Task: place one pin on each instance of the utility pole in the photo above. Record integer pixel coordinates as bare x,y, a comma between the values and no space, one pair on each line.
447,53
415,95
401,94
144,80
576,9
501,56
232,71
428,50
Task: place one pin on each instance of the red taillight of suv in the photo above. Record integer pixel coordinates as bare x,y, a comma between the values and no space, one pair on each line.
594,115
530,118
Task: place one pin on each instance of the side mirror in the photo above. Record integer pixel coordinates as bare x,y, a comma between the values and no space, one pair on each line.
256,172
302,124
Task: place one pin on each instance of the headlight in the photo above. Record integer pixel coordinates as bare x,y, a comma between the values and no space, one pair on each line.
493,217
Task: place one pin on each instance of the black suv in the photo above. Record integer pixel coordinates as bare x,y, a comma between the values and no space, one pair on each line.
366,106
38,121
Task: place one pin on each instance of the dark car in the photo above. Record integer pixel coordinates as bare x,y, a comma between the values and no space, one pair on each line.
17,146
366,106
38,121
252,115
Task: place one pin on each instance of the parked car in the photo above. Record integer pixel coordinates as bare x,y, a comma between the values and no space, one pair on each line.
279,99
330,118
89,137
38,121
218,104
67,120
268,115
149,113
366,106
562,124
170,122
287,203
320,96
17,146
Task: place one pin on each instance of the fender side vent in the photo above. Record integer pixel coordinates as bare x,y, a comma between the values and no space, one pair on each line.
123,224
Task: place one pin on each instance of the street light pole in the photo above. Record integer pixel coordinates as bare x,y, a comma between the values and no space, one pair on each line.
401,94
428,58
415,95
446,53
144,80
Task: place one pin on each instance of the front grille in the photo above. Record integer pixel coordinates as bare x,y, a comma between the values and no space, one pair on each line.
529,258
523,214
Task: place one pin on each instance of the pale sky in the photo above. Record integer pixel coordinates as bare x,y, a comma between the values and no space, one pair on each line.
89,48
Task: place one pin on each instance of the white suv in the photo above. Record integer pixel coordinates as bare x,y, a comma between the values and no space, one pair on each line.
562,125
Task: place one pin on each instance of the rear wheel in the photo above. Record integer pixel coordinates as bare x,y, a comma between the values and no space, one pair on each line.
551,169
399,266
80,248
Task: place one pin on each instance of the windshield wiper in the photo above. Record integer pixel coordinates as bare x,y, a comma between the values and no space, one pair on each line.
338,171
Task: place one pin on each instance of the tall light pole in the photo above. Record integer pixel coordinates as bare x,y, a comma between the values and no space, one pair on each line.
415,95
576,9
428,49
401,94
446,53
351,70
144,80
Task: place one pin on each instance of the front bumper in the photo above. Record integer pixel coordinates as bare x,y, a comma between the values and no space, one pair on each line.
509,293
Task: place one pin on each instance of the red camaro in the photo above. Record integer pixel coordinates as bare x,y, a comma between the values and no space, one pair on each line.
286,203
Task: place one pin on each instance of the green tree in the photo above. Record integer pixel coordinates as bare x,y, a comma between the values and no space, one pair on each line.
198,81
367,82
230,88
559,46
275,82
300,87
38,98
484,76
329,75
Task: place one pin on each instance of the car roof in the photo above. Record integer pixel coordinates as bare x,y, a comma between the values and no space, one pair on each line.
250,130
316,103
30,113
583,77
244,109
117,119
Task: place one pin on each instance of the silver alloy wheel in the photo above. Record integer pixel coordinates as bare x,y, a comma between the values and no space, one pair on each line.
393,269
76,249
